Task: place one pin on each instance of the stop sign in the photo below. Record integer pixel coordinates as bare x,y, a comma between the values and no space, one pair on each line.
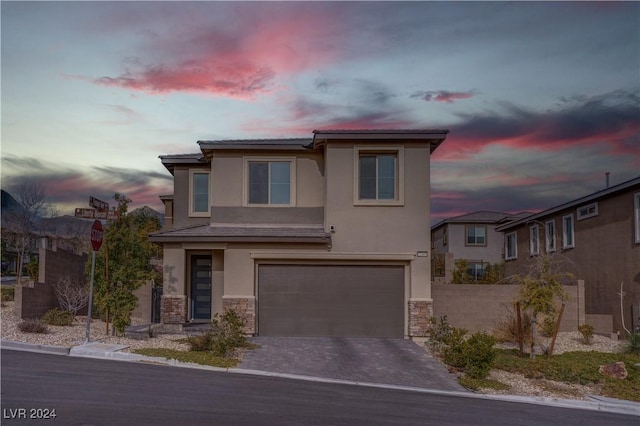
96,235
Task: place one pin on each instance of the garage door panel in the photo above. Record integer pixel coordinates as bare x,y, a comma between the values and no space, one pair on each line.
336,300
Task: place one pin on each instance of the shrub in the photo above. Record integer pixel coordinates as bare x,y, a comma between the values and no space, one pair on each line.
72,295
548,326
587,333
58,317
33,326
7,293
226,335
441,333
479,353
633,343
506,328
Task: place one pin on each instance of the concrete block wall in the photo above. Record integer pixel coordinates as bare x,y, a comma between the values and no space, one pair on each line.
142,312
479,307
34,300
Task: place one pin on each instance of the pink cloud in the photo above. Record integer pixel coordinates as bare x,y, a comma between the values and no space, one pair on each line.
442,96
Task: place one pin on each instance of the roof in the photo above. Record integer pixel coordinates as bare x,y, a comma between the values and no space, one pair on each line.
574,203
208,233
171,160
261,144
435,136
482,217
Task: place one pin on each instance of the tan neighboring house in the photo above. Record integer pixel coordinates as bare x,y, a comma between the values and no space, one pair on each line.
470,237
326,236
597,238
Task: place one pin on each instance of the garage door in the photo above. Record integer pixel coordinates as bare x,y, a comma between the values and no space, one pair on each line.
331,300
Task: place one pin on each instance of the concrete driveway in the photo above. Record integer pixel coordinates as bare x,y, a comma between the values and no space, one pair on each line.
385,361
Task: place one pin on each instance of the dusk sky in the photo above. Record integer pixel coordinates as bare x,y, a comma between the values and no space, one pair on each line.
541,99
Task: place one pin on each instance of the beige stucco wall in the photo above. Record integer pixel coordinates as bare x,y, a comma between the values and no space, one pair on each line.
181,198
229,180
492,252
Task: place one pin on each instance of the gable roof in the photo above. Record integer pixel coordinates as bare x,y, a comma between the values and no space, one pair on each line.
574,203
482,217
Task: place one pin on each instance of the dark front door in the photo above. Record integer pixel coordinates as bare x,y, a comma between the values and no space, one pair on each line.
201,287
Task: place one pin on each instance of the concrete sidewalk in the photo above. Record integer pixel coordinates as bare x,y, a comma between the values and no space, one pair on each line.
113,352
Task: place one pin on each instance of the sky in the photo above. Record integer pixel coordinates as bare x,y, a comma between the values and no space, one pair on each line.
541,99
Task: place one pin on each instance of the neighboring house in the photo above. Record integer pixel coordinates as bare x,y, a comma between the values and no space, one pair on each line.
471,237
327,236
597,238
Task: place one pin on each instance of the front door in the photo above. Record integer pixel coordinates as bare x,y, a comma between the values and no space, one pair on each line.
200,287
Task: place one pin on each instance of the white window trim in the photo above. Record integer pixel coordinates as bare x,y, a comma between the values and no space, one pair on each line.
636,215
193,213
268,159
534,250
547,240
587,215
565,244
515,246
399,151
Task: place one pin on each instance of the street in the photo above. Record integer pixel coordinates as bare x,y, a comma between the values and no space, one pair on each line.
85,391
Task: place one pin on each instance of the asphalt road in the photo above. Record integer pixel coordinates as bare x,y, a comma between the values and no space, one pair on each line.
87,391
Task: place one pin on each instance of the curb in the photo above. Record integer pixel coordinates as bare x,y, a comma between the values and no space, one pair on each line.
32,347
609,405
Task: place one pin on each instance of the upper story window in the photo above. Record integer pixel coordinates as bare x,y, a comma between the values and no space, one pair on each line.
511,246
476,235
199,193
270,182
378,175
587,211
636,215
567,231
550,235
534,240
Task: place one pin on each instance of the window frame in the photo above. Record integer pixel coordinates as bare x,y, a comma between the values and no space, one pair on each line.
587,215
466,236
398,151
636,216
507,256
565,243
534,250
269,159
550,242
192,195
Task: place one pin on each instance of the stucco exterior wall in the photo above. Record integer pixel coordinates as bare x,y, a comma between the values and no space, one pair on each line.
491,253
181,198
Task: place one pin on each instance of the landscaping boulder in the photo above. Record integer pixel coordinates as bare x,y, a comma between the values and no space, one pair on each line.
616,370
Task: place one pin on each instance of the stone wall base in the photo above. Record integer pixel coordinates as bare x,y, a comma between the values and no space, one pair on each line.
174,309
420,312
245,307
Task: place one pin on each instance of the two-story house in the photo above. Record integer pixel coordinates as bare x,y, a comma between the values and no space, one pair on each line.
326,236
470,237
596,238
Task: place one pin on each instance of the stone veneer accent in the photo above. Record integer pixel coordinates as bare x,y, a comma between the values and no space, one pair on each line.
420,311
245,307
174,309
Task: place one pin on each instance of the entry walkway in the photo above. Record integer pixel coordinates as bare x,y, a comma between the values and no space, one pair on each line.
385,361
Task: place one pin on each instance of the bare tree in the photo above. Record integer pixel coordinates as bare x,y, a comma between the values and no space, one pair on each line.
72,294
21,224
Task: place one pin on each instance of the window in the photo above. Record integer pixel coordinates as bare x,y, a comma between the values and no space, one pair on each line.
550,236
269,182
199,193
476,270
511,246
445,236
534,240
587,211
476,235
636,215
567,231
377,173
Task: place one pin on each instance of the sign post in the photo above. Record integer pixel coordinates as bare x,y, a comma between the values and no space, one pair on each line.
96,243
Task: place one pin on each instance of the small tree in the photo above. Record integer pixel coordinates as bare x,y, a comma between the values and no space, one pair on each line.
541,287
123,263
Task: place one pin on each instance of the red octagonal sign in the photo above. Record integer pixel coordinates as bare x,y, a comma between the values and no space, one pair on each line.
96,235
